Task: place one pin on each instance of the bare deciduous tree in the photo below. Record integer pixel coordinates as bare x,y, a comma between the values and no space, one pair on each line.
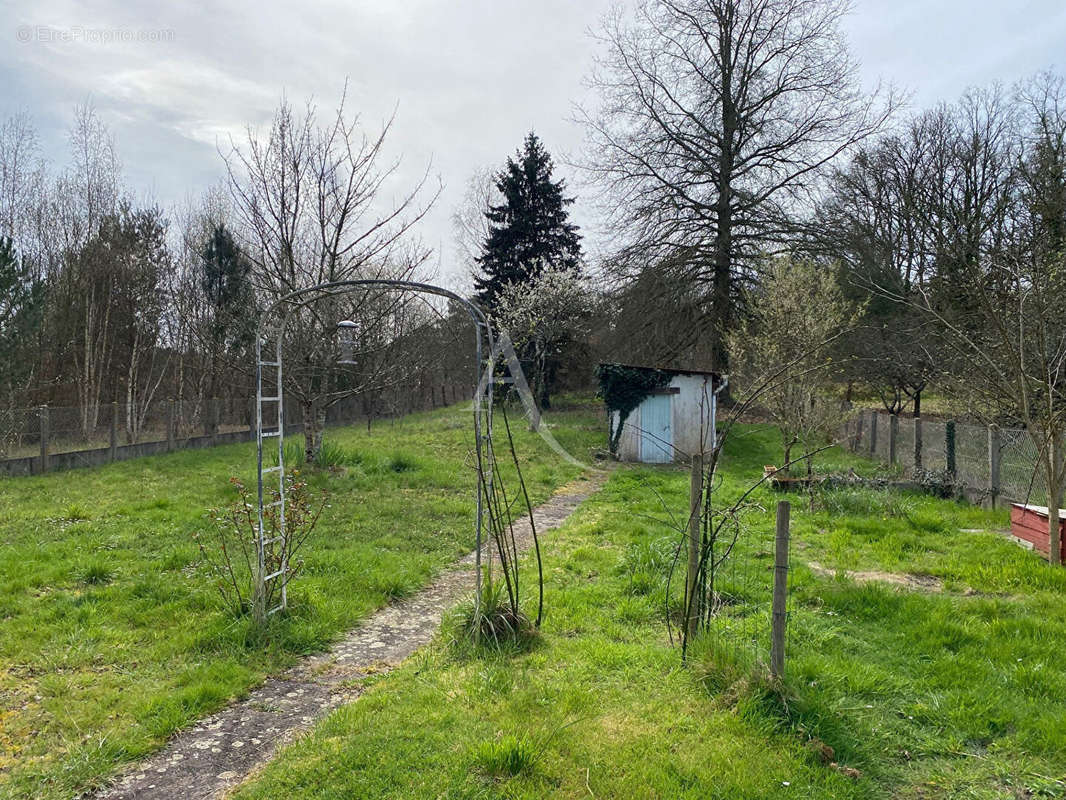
308,201
984,269
470,220
716,117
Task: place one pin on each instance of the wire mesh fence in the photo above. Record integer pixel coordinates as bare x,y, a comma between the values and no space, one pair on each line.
742,587
20,431
971,454
934,448
905,443
985,461
1020,478
881,438
56,437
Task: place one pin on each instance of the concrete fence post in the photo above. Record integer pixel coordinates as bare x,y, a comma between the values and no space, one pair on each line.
873,433
113,441
780,598
46,435
994,453
893,437
172,424
949,446
917,442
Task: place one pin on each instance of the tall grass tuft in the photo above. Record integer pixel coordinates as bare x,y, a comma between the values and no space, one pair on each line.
97,573
492,624
332,456
509,756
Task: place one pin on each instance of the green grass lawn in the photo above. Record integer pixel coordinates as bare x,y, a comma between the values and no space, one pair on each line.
890,693
113,636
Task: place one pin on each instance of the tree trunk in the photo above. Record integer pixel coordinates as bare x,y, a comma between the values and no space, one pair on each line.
721,299
320,428
1054,501
307,409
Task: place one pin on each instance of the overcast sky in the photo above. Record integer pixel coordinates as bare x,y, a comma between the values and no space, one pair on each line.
467,79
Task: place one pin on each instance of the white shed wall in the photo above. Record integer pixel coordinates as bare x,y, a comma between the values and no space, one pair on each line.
692,417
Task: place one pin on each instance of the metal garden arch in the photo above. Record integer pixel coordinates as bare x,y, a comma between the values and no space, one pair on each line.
270,394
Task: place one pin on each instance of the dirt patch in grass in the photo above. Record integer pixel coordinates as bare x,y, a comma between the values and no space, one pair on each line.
920,583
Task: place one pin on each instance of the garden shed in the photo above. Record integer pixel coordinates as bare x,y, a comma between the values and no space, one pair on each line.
659,414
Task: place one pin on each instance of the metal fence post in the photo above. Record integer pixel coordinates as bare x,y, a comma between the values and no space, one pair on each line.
695,506
780,607
917,442
46,434
994,452
893,436
873,433
113,440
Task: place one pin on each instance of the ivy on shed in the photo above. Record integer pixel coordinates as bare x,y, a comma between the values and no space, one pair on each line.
623,388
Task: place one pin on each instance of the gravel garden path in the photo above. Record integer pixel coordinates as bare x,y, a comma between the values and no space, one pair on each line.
223,749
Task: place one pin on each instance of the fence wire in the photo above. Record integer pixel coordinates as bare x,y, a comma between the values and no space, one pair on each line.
104,426
971,454
743,586
905,444
934,449
1020,478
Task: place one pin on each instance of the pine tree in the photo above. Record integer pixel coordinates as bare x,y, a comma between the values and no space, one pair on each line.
21,304
227,286
229,322
528,231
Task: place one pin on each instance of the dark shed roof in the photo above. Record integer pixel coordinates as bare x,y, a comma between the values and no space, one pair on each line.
715,377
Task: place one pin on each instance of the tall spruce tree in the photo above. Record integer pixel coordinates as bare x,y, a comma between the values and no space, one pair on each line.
529,230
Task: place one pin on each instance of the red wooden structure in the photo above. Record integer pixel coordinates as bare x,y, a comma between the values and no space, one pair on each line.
1029,524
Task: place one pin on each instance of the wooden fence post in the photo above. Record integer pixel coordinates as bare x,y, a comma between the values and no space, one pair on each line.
46,435
780,605
893,436
858,433
917,442
113,442
216,415
695,506
873,433
994,453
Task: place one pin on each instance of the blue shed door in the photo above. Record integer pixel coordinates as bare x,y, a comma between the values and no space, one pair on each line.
655,436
